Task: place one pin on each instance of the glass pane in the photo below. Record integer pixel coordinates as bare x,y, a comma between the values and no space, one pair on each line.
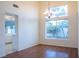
57,11
10,27
56,29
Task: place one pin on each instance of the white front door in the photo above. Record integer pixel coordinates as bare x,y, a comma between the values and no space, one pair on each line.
11,33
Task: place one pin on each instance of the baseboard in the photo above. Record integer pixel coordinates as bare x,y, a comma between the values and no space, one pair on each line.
2,56
57,46
27,47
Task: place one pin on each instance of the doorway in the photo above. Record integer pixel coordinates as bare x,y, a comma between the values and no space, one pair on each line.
11,33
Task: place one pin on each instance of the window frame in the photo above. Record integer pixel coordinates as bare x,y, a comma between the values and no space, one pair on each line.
57,18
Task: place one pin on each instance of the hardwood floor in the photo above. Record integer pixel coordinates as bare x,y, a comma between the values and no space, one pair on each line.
45,51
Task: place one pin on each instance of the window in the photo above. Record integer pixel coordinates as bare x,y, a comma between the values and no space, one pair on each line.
56,29
55,26
10,27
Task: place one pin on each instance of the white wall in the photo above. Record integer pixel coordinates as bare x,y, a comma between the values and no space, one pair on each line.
27,24
2,39
72,17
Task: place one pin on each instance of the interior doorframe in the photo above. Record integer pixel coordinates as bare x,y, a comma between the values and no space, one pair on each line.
16,22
